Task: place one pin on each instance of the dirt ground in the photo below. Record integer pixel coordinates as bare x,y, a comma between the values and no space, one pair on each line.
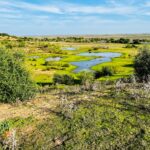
36,107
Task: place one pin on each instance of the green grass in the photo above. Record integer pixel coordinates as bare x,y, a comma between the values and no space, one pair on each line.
12,123
107,121
122,65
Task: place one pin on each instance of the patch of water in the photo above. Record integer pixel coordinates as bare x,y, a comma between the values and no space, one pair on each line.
53,59
86,65
34,57
69,48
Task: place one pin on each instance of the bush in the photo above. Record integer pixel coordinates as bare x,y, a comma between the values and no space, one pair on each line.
130,46
85,77
21,44
105,71
136,41
142,64
15,83
123,41
8,46
63,79
4,34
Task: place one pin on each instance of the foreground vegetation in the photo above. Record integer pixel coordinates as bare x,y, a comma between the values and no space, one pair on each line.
90,116
15,83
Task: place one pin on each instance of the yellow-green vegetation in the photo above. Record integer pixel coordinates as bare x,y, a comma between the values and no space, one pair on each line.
43,73
122,65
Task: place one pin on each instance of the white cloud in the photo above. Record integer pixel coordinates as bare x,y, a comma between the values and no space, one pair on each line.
70,8
6,10
29,6
147,4
101,10
10,16
147,13
33,7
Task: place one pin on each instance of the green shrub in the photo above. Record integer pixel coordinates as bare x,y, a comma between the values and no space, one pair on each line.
65,65
15,83
105,71
130,46
85,76
21,44
142,64
4,34
8,46
63,79
19,56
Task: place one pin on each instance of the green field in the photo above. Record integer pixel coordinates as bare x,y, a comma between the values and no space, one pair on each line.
43,49
42,73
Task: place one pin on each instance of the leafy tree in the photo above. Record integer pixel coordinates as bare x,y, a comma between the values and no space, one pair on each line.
130,46
4,34
123,41
136,41
142,64
15,83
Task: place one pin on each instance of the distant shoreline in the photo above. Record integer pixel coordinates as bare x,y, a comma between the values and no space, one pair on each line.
135,36
115,36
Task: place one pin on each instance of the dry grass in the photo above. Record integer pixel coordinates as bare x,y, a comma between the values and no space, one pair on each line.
36,108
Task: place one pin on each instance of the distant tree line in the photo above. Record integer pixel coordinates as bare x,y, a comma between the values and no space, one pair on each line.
89,40
4,34
7,35
82,39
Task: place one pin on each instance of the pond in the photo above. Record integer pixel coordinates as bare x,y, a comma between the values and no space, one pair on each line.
34,57
69,48
53,59
86,65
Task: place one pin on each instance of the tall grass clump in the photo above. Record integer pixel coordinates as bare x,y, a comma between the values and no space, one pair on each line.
142,64
105,71
85,76
15,83
63,79
86,79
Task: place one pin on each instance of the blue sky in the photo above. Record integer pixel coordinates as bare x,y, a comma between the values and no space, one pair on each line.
55,17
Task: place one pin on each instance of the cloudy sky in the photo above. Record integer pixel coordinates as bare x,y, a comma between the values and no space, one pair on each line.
55,17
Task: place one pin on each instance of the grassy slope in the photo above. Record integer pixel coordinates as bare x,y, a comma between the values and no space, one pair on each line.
109,117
